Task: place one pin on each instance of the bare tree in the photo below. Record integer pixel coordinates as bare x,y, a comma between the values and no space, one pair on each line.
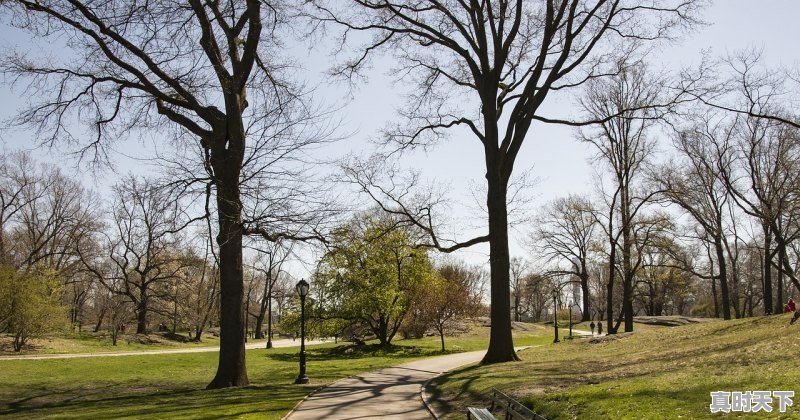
17,179
663,286
47,216
624,144
739,84
536,293
763,177
207,73
111,304
269,264
201,301
518,267
760,101
500,59
565,233
693,183
144,248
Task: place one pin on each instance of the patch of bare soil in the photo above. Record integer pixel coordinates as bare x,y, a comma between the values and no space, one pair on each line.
180,338
7,346
519,326
145,339
524,326
609,338
670,321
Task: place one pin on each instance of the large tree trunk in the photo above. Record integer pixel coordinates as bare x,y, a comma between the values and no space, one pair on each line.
713,282
226,161
269,320
501,344
259,334
141,315
767,271
723,278
651,300
612,262
587,313
381,331
100,320
627,301
779,281
263,305
627,265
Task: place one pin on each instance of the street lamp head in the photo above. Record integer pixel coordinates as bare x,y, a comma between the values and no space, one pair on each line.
302,288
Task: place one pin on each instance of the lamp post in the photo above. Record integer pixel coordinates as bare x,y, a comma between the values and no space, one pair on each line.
555,315
302,291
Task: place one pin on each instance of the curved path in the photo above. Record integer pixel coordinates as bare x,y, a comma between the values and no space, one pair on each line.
390,393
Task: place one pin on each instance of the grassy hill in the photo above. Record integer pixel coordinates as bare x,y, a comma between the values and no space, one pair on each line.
658,373
87,342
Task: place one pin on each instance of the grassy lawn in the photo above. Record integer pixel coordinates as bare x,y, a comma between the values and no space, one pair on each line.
655,373
99,343
171,386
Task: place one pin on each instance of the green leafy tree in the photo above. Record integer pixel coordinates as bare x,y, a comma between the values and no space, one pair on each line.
442,301
369,276
29,304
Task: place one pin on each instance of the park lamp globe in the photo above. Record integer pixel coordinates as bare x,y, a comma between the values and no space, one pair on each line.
302,288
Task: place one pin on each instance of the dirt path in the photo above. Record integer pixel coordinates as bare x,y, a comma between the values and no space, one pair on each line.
249,346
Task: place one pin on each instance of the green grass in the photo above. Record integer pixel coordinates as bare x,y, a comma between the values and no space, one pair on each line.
656,373
99,343
171,386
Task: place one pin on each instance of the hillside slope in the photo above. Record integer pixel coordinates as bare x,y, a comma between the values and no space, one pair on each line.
659,373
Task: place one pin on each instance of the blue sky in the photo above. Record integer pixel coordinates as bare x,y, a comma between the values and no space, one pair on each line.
561,163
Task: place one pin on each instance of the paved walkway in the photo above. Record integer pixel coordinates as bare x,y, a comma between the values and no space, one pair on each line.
257,345
390,393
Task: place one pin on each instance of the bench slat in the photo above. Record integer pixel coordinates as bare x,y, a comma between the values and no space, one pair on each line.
513,407
480,414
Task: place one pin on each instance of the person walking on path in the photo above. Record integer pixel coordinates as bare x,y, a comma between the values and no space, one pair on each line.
592,327
599,328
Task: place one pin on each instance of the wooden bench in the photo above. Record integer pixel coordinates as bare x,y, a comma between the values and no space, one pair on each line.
513,409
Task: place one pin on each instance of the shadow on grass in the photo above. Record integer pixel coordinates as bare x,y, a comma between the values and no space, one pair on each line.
106,402
350,352
687,400
466,392
560,379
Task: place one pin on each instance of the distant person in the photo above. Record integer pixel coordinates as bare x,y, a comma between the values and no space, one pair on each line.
791,306
599,328
592,327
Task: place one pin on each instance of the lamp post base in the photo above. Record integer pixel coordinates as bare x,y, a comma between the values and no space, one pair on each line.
302,380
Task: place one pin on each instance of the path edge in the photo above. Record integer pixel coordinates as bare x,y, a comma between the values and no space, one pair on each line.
315,391
423,389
